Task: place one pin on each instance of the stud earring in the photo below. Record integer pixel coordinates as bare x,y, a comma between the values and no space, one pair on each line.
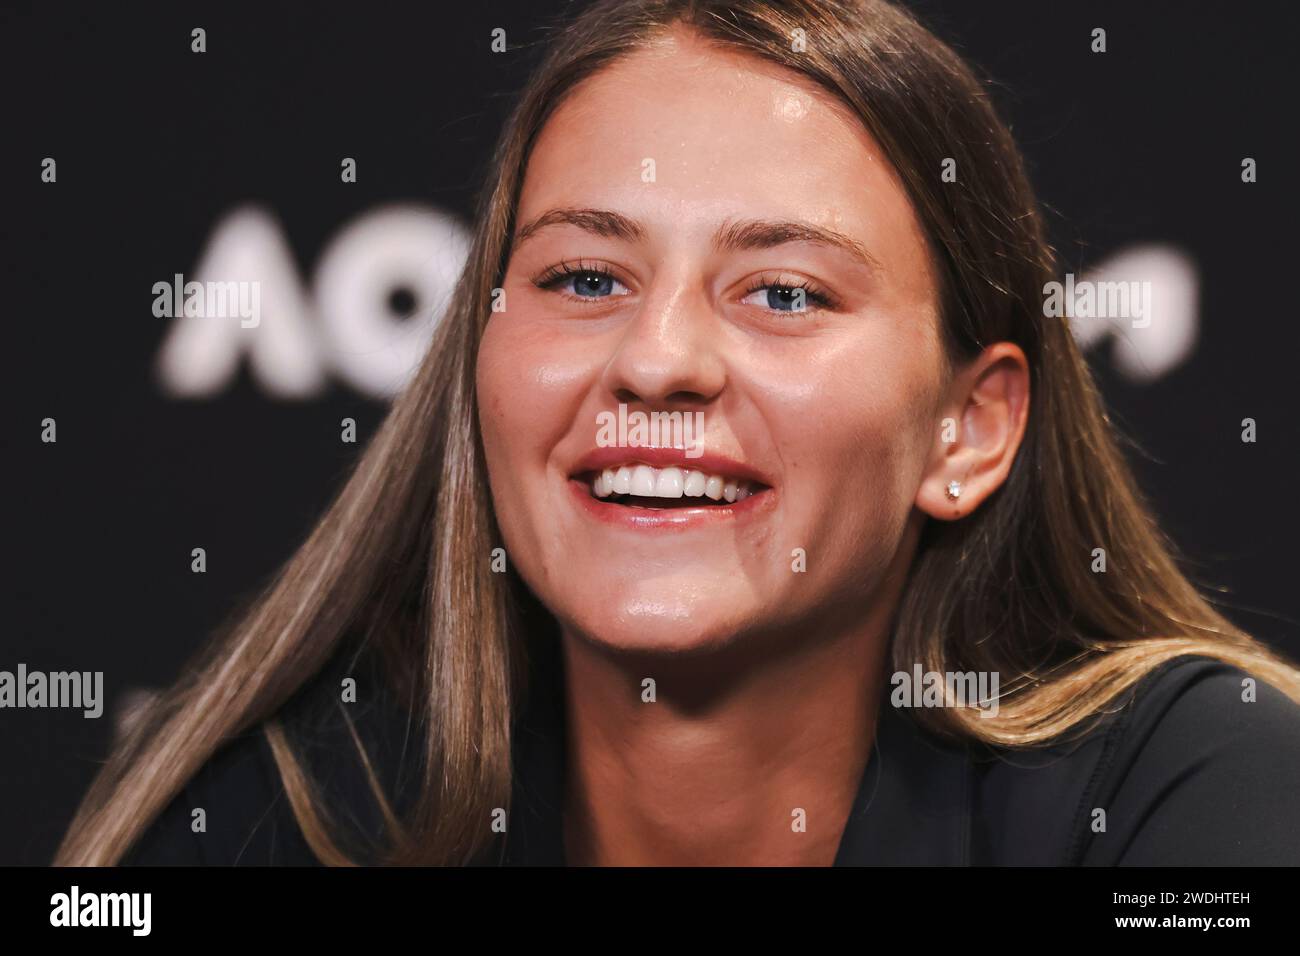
954,490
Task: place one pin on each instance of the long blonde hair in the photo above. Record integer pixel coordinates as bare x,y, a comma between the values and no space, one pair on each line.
401,558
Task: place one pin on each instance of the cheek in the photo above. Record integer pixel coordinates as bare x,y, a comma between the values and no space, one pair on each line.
510,427
529,381
497,414
855,436
510,430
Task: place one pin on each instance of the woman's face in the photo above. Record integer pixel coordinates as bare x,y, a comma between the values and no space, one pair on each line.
674,211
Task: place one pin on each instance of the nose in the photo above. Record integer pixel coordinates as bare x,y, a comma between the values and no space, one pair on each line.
670,351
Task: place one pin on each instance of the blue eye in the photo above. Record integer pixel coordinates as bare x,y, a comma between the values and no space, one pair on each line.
591,282
785,300
788,296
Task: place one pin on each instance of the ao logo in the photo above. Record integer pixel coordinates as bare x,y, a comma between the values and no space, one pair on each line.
1145,351
378,291
407,258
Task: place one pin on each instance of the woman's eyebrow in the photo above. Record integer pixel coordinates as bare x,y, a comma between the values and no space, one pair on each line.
602,222
732,235
768,233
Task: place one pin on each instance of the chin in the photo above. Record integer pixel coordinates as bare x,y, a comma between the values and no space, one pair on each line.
658,625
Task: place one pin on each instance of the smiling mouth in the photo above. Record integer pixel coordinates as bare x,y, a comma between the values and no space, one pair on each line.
642,486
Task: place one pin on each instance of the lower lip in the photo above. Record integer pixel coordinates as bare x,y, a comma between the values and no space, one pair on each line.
705,516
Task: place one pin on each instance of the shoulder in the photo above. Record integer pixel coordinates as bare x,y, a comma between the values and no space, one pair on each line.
247,818
1199,763
1201,768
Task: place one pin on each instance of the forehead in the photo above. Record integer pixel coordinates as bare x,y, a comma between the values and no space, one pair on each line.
684,131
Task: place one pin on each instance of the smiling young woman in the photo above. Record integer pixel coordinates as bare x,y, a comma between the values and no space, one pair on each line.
734,209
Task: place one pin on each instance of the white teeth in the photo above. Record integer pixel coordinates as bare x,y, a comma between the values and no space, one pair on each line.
668,484
646,482
643,481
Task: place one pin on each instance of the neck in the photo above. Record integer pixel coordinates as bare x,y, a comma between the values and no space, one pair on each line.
751,755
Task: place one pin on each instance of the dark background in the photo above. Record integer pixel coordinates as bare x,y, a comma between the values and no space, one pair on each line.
154,144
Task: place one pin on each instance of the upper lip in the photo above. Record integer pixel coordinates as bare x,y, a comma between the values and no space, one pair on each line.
598,459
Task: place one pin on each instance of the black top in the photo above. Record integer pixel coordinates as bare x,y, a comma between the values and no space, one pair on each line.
1186,773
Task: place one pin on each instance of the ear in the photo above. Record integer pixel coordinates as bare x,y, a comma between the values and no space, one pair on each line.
981,424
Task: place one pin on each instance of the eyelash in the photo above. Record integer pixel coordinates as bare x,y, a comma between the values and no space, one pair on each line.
564,270
813,295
